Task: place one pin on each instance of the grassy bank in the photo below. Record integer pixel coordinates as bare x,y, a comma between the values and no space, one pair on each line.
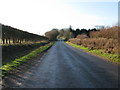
111,57
11,52
17,62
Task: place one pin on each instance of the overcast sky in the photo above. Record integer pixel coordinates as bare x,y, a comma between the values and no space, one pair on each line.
39,16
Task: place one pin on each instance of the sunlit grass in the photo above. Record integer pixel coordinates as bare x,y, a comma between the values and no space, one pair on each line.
112,57
17,62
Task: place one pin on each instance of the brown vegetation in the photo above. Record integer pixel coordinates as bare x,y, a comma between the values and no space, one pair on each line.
106,33
105,39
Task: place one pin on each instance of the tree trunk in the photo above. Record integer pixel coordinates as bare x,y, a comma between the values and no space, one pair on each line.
3,40
6,41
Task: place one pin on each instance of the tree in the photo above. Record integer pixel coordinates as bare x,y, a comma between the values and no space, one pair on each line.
52,35
10,34
82,36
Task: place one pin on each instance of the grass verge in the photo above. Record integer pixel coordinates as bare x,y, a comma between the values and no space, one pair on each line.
111,57
17,62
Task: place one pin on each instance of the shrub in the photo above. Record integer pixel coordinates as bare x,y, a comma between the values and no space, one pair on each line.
104,39
107,45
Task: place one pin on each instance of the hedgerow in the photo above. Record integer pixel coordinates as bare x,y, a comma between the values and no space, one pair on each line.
107,45
106,40
112,57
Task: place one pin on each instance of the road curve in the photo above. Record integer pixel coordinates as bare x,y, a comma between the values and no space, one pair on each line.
64,66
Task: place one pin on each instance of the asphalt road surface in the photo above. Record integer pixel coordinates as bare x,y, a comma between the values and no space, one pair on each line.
64,66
